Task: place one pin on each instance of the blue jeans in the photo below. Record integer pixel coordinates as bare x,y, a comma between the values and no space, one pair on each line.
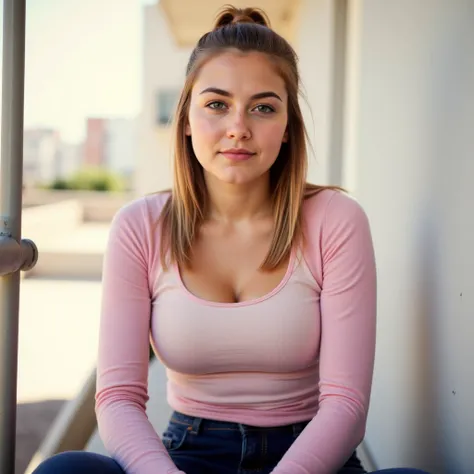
200,446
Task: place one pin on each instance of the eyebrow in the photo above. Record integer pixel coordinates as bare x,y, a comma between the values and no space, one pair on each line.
260,95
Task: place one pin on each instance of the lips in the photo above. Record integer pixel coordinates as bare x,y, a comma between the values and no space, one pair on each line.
237,154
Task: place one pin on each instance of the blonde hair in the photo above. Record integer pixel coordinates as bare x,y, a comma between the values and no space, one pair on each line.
246,30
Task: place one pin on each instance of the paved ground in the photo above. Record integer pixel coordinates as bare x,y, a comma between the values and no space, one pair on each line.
58,338
33,421
57,350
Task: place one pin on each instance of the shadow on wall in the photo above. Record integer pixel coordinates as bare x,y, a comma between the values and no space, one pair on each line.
428,423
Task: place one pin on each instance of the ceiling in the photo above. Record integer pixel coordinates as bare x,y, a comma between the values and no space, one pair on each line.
190,19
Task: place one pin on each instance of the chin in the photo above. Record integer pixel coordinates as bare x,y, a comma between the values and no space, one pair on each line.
236,179
236,176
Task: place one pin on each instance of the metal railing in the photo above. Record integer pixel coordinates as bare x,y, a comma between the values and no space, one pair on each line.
15,254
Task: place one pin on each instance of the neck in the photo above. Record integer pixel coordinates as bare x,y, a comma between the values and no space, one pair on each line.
236,202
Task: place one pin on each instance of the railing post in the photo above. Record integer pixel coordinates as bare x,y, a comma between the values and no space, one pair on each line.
14,253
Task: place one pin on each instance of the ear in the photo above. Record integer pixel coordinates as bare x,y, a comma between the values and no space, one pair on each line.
285,136
188,129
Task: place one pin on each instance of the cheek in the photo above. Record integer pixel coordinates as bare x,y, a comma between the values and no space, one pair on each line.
203,135
204,128
272,137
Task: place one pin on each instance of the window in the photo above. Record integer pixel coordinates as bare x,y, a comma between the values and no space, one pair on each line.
166,104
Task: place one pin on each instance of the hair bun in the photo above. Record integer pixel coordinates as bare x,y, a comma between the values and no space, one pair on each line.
231,15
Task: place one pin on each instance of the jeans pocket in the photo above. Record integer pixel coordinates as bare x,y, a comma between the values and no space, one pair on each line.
175,435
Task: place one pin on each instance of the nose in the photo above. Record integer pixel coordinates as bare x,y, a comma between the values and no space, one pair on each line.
238,128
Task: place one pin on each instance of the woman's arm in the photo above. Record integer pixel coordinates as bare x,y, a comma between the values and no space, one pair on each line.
122,373
348,324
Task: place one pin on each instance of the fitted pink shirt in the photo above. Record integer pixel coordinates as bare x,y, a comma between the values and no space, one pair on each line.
304,351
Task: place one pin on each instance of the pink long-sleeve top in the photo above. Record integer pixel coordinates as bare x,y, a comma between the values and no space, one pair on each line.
304,351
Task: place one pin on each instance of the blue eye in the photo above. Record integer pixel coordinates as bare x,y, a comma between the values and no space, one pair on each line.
264,109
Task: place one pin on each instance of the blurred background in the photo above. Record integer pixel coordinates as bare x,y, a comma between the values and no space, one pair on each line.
389,107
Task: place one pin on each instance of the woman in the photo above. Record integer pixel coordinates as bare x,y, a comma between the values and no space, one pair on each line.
258,290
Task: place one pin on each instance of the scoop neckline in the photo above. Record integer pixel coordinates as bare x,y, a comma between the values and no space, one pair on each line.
239,304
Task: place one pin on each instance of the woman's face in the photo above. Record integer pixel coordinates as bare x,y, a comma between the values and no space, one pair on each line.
238,116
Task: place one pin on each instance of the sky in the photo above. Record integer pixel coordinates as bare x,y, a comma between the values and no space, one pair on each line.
82,58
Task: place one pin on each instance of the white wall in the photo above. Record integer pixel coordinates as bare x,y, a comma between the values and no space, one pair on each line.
410,161
314,48
163,67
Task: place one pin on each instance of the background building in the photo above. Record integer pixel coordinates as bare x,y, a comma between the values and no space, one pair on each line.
111,143
95,143
40,155
47,157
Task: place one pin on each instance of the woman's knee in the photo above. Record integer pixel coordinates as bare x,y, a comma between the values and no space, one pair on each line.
79,462
400,470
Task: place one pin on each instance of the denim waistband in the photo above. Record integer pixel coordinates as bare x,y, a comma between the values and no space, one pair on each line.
197,424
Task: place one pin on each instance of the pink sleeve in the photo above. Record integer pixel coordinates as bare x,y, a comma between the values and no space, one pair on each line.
348,324
122,372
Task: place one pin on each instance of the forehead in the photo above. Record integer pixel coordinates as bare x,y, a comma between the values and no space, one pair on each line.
241,74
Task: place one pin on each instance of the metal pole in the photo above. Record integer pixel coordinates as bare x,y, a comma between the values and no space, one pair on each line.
10,219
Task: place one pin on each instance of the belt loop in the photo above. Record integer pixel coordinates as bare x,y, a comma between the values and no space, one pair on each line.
196,425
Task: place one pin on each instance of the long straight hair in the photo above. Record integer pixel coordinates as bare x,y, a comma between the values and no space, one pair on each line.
246,30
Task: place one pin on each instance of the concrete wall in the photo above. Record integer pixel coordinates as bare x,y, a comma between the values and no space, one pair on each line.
164,68
96,206
69,245
409,159
51,221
